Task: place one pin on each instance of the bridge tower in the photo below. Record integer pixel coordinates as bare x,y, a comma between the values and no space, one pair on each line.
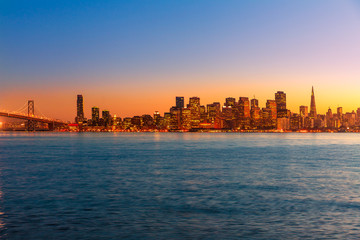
31,111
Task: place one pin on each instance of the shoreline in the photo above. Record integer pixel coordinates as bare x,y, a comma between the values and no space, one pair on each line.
198,131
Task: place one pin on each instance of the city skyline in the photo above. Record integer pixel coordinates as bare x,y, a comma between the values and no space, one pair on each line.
133,58
87,112
244,114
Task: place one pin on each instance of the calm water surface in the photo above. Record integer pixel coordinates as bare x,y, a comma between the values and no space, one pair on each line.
179,186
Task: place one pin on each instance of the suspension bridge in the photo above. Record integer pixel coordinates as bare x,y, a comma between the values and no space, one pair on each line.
33,117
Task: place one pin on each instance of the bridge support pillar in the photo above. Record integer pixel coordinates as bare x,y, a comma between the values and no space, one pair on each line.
51,126
31,110
31,125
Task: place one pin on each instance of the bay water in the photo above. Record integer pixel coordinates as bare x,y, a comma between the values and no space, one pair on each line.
179,185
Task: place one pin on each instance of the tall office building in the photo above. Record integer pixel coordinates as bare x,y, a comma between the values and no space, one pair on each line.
230,102
271,104
214,112
339,112
254,103
304,111
186,119
157,119
267,120
95,112
244,107
255,116
194,106
312,104
180,102
175,122
106,117
80,109
329,118
280,99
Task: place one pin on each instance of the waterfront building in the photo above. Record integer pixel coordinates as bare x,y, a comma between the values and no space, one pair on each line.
79,109
320,121
267,121
167,119
329,119
175,122
358,115
126,124
136,122
227,113
271,104
283,123
339,113
255,117
194,106
349,119
116,121
95,116
213,114
304,111
280,99
106,118
186,119
243,108
148,121
295,122
158,120
203,114
156,117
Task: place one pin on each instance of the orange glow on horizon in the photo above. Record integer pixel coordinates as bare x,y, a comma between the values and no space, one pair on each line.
138,98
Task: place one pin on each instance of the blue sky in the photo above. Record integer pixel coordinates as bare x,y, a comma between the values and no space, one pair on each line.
197,47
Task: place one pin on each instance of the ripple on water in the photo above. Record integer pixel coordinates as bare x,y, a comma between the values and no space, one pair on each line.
176,186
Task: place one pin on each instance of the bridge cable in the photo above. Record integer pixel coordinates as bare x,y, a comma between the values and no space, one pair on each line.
22,108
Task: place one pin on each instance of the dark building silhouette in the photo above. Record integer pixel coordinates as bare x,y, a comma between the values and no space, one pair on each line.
95,116
106,118
280,99
180,102
230,101
254,103
80,109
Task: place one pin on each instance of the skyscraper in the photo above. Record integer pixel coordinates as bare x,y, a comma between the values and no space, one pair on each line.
254,103
244,107
80,109
106,118
303,111
312,105
271,104
230,101
95,112
280,99
194,106
180,102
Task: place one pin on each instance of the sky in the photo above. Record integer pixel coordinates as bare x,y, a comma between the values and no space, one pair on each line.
134,57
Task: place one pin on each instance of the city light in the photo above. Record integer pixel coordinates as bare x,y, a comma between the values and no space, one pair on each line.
242,115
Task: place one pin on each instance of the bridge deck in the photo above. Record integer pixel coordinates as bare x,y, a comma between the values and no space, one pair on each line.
35,118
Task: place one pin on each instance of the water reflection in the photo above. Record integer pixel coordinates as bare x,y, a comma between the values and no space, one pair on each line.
179,186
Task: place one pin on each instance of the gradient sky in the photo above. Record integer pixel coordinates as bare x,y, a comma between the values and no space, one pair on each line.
134,57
